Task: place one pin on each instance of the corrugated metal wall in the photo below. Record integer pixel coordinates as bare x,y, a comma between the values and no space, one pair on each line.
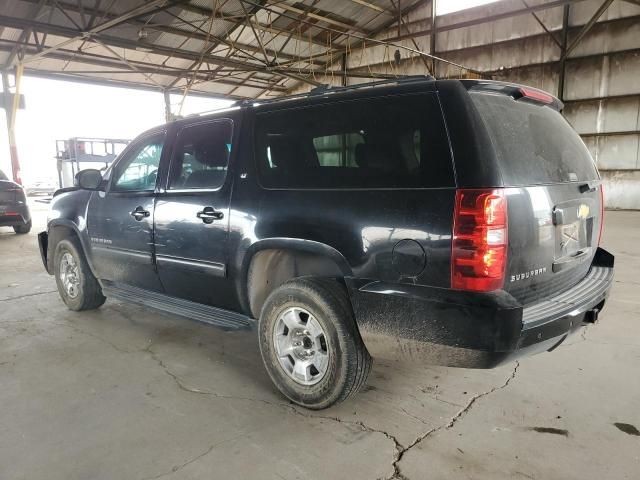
602,76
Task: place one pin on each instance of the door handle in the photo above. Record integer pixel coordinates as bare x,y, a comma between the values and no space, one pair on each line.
139,213
209,214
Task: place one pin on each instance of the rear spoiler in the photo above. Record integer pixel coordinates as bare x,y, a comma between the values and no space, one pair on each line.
518,92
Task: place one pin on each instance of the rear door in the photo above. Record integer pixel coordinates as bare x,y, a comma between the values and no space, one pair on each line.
371,177
120,220
554,195
192,215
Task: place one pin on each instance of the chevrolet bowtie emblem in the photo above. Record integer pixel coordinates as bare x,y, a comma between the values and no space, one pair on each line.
583,211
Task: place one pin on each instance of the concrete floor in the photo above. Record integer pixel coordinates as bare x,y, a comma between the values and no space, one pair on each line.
128,393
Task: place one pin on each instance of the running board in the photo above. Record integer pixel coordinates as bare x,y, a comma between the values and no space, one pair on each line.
217,317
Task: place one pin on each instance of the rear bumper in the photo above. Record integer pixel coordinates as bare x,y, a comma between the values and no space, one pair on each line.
473,330
12,215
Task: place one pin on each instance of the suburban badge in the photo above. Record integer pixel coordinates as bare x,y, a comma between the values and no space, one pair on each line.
531,273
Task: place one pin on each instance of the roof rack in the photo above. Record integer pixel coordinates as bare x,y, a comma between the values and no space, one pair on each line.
327,88
406,79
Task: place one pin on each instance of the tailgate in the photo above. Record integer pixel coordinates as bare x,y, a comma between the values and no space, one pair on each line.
553,195
553,236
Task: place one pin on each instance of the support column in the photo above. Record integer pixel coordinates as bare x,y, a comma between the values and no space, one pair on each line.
10,109
433,35
563,56
168,116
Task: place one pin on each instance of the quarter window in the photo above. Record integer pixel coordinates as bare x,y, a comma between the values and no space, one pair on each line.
201,156
385,142
138,171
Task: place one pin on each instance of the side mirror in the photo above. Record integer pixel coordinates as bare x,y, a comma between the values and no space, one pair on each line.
89,179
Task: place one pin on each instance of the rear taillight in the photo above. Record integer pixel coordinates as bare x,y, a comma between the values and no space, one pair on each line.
601,213
479,246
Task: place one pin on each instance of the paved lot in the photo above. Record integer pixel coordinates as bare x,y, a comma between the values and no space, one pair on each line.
129,393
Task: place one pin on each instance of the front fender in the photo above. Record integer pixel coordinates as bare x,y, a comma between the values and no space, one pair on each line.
68,214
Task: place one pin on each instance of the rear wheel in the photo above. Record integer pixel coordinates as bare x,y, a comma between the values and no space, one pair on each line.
77,286
310,343
22,229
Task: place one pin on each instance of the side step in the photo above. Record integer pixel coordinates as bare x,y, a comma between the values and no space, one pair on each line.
217,317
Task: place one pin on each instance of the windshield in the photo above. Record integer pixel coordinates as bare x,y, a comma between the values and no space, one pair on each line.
534,144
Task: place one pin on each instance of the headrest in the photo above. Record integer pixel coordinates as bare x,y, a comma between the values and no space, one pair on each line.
211,153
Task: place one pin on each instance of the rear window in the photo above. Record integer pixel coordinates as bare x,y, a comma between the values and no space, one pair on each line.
534,144
389,142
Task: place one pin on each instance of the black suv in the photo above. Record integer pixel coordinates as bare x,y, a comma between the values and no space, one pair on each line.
455,222
14,211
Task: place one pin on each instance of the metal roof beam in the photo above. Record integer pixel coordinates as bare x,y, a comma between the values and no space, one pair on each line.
544,27
258,26
108,82
372,6
133,13
310,14
14,22
360,42
167,28
592,21
482,20
24,36
140,67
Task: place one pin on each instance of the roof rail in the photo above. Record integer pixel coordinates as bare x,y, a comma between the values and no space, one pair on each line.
327,88
406,79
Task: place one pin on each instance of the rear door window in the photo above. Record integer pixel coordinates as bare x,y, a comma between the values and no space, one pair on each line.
534,144
386,142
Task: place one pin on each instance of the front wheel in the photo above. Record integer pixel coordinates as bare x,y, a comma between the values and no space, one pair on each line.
310,343
77,286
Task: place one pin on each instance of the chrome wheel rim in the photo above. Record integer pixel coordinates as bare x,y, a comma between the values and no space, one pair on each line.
69,275
301,345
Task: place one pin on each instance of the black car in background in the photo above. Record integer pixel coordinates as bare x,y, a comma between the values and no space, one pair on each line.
14,211
455,222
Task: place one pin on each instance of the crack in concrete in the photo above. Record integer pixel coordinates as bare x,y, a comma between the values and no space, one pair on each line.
184,387
97,337
399,449
364,427
289,407
415,417
447,426
26,295
177,468
583,333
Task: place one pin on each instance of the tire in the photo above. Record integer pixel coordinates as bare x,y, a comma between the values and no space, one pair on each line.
22,229
294,311
85,293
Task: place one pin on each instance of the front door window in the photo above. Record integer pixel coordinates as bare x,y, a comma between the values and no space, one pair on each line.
139,171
